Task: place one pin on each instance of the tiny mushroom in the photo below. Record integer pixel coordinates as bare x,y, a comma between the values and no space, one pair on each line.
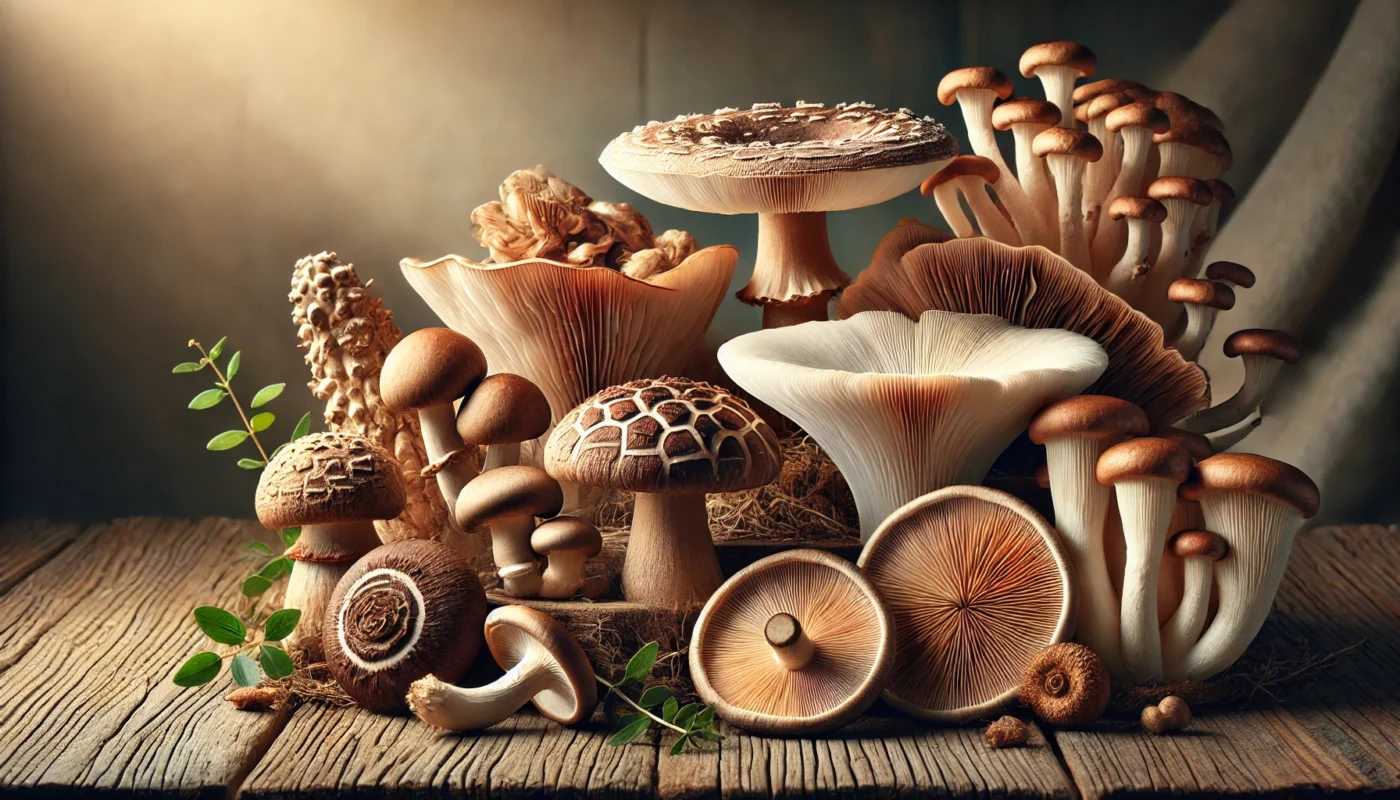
1198,550
671,441
1066,151
332,485
1143,217
544,665
1236,276
971,175
1058,65
1025,117
1066,685
794,644
502,412
1263,352
1203,299
566,543
1005,732
509,499
1183,198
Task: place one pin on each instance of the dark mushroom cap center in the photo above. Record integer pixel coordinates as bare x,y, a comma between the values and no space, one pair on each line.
380,617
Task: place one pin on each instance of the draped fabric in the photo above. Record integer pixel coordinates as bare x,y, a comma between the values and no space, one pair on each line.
1310,95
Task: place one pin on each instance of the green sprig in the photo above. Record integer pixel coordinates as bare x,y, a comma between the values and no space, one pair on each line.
692,721
226,628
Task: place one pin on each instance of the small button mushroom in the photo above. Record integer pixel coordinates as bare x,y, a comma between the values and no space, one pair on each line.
566,543
1142,216
1203,300
509,499
544,664
502,412
1005,732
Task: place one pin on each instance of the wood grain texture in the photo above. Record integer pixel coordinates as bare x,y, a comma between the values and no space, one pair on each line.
28,544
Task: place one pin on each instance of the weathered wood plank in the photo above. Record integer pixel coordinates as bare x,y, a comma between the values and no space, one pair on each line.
87,646
27,544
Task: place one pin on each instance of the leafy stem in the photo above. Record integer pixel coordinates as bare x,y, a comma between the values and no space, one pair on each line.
613,688
227,387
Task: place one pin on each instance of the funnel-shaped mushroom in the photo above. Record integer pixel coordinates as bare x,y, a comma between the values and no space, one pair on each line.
1264,353
789,166
1032,287
1257,504
904,408
796,643
978,584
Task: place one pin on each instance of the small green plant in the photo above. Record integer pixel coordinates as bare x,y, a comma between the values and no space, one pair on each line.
656,705
226,628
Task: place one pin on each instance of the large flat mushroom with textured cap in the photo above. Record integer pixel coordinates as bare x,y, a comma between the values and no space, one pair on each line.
906,407
794,644
978,584
671,441
788,165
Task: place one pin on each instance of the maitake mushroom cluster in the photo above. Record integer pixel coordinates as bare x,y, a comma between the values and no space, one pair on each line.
541,215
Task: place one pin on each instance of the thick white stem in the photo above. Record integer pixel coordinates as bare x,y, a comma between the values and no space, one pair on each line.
1099,175
1259,374
945,195
1199,320
1185,161
1203,227
440,438
977,114
1068,172
1127,276
1223,440
454,708
1171,262
1184,628
1059,89
501,455
309,589
1145,506
1034,178
563,575
989,219
1108,238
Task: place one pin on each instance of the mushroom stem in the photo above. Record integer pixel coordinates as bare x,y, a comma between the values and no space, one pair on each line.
1171,262
1099,175
309,590
1145,506
440,438
1059,89
945,196
1259,374
1199,320
989,217
671,558
1068,172
794,250
564,572
1108,237
501,455
353,538
977,115
796,312
791,646
1223,440
1184,628
510,549
1126,277
454,708
1030,171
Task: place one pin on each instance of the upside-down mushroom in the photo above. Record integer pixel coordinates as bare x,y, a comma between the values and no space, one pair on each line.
1263,352
1026,117
1066,151
1058,65
1203,300
970,175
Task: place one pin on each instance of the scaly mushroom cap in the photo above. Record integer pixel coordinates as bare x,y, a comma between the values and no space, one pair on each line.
515,632
1237,274
1067,684
430,367
405,610
329,477
1067,142
1211,294
1261,342
1148,457
504,409
1198,544
1024,109
1177,188
962,167
772,159
514,491
664,435
1257,475
835,607
1137,115
572,534
1087,92
987,78
978,584
1088,415
1144,208
1058,54
1034,288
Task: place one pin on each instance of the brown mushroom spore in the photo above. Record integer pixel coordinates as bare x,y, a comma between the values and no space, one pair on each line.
1067,684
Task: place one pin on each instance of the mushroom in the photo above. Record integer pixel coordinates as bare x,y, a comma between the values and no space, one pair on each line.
1226,438
904,408
333,486
405,610
1236,276
976,90
971,175
1005,732
1075,432
1143,216
1088,91
1066,151
1204,227
567,543
790,166
1191,149
1182,197
1263,353
797,643
1257,505
1198,551
508,499
1135,125
1058,65
502,412
1099,175
1171,714
1032,287
1183,109
671,441
427,372
1203,299
1066,685
1186,516
544,665
978,585
1025,117
1144,474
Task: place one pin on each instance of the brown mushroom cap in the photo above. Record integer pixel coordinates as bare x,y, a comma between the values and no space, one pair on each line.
1067,684
1198,544
1137,115
1194,443
1087,92
1088,415
664,435
329,477
1067,142
734,666
430,367
1024,109
1223,193
1199,136
405,610
1100,106
1148,457
1237,274
1144,208
960,167
566,533
503,409
1058,54
1180,107
1242,472
1262,342
1211,294
513,632
514,491
987,78
1178,188
978,584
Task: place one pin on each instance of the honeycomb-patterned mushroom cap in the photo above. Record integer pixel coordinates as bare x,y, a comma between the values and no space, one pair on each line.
664,435
329,477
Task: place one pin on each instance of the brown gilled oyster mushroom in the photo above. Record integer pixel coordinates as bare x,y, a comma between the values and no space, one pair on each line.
789,165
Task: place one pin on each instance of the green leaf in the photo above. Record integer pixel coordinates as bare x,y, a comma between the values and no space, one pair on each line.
289,536
276,568
220,625
654,696
630,731
260,547
199,670
639,667
234,362
710,735
281,624
262,422
679,746
208,399
251,463
303,427
684,716
267,394
255,585
186,366
668,711
227,440
275,661
705,716
245,670
218,348
624,720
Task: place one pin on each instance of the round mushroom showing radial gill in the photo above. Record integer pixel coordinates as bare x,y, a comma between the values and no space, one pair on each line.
906,407
978,584
407,609
794,644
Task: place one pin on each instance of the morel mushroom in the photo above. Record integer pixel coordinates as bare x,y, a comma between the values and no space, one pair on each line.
405,610
671,441
509,499
794,644
334,486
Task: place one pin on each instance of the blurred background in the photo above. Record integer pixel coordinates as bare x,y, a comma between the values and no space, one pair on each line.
164,163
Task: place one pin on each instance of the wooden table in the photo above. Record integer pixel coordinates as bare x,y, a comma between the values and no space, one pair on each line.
93,622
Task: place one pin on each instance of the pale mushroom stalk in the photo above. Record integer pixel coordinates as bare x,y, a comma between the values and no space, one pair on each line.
989,218
976,107
1099,176
1198,550
945,196
563,574
1203,232
1032,174
1182,197
1058,82
566,543
670,535
440,440
454,708
1224,439
510,547
796,244
1263,354
1203,301
1143,215
1068,174
1199,320
1135,124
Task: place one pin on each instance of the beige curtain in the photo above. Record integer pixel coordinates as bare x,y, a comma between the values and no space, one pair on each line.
1310,94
